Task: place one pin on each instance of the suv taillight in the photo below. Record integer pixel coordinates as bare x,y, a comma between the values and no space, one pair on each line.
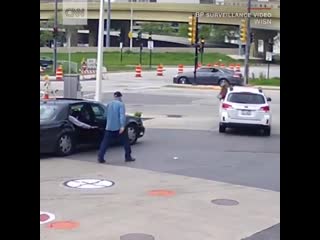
225,106
265,108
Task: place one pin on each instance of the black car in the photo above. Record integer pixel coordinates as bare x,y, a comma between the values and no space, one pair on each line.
58,135
45,62
210,76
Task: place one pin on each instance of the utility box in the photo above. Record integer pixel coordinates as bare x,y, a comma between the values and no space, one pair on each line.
72,86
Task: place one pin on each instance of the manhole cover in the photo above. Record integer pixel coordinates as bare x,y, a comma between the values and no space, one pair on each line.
137,236
88,183
174,116
225,202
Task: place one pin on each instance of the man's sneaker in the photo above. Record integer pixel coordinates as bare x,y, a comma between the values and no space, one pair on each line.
131,159
101,161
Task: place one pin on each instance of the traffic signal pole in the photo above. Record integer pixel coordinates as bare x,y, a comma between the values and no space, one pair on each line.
55,35
248,41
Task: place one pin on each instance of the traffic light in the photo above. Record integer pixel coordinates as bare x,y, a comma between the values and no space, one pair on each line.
192,30
243,31
201,46
251,37
55,32
139,36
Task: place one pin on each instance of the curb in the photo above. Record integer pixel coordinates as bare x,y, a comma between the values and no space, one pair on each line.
204,87
201,87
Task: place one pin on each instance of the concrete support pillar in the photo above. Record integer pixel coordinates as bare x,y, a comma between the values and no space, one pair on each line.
126,29
265,35
74,38
93,32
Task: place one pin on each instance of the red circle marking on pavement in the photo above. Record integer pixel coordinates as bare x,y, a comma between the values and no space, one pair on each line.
44,217
162,193
64,225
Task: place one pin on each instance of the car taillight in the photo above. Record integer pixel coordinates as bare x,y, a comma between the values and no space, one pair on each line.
265,108
225,106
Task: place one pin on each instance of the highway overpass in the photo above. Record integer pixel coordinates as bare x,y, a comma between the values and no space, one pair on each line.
230,14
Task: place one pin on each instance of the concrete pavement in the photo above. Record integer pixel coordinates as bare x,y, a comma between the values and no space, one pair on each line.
127,208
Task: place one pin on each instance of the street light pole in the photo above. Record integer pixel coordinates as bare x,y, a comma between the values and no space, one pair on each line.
108,24
246,61
55,28
100,52
131,24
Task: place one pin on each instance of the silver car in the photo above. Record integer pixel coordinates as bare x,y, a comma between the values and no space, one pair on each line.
210,76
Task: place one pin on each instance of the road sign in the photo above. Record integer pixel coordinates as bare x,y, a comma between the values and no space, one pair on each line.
121,45
150,44
91,63
269,56
130,35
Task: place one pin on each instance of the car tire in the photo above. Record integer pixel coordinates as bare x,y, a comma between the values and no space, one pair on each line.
222,129
267,131
65,144
132,131
183,80
223,80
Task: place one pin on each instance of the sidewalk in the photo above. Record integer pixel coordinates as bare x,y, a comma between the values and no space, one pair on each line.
205,87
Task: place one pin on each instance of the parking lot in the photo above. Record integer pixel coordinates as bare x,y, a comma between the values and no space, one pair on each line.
183,164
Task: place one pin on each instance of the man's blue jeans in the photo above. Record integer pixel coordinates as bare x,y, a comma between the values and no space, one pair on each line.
111,136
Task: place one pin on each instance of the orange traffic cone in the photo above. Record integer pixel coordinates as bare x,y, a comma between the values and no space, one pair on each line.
231,66
59,73
180,68
222,65
160,70
209,65
216,65
138,71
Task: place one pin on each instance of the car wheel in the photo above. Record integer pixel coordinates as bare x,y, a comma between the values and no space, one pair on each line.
183,80
132,133
222,129
65,144
223,81
267,131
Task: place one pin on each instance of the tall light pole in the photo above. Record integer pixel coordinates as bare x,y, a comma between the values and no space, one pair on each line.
55,32
108,24
100,52
131,24
246,60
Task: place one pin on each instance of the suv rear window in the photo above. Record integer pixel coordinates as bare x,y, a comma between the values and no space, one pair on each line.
247,98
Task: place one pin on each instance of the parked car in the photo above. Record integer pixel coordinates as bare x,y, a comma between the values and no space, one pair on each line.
210,76
58,135
45,62
245,107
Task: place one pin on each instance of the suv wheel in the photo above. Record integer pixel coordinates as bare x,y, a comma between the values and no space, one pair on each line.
267,131
222,129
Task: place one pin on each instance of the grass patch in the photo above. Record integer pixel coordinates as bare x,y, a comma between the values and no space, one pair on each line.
265,82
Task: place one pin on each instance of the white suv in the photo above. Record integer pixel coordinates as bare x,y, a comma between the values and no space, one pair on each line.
245,107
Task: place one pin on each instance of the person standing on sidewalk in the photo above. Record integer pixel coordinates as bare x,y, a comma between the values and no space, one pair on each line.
115,128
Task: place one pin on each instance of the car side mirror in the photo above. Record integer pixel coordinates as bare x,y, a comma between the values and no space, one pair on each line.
268,99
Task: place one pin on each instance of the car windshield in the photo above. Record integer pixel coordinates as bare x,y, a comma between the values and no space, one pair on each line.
48,112
247,98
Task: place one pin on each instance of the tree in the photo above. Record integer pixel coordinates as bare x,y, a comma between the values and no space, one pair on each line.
205,31
183,30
